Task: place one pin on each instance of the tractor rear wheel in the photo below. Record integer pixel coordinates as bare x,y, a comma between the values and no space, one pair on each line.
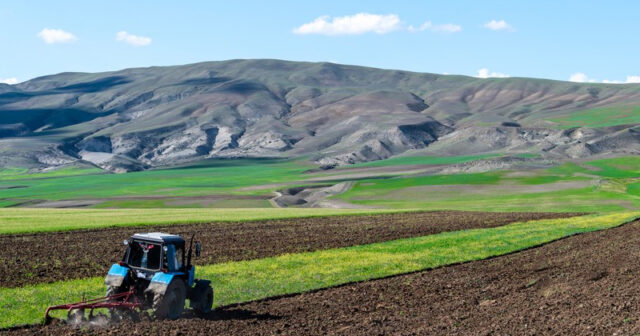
202,299
171,304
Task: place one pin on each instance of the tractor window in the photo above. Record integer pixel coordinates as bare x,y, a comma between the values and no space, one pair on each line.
145,255
179,257
173,258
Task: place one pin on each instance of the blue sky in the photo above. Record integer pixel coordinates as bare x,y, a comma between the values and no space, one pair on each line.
586,40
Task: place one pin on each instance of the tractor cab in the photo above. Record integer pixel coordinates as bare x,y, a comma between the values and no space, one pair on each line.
148,253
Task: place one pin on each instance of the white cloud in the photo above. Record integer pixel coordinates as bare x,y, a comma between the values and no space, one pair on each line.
485,73
447,28
362,23
9,81
422,27
580,77
633,79
498,25
51,36
134,40
438,28
351,25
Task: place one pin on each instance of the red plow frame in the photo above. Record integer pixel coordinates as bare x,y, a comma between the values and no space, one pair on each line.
126,300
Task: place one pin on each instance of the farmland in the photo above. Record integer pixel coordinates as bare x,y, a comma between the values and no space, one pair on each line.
53,257
608,184
412,182
20,220
580,285
261,252
291,273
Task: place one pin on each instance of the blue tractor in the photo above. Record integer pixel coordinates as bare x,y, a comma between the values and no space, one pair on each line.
155,273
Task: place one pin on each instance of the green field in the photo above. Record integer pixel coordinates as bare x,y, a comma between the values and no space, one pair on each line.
24,220
213,176
8,174
293,273
600,117
421,160
596,186
593,186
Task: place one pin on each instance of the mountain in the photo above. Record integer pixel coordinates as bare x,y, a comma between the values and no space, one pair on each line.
333,114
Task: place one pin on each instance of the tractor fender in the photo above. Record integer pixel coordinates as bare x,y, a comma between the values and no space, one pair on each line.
159,283
116,275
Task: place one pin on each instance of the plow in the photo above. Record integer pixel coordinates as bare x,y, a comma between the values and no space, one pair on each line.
154,274
76,311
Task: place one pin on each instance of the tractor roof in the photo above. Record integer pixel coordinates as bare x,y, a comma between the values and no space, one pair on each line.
159,237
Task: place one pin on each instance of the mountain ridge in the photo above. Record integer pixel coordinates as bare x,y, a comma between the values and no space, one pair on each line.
138,118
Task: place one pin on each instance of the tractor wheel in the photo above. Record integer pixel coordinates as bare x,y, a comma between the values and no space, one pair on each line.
171,304
116,314
113,290
202,299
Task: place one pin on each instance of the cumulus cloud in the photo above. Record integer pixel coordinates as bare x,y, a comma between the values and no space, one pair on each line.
633,79
438,28
134,40
51,36
485,73
9,81
498,25
351,25
580,77
362,23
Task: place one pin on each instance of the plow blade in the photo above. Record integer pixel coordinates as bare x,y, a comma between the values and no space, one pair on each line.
121,301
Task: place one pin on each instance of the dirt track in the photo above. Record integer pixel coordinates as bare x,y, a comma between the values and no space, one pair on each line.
583,285
48,257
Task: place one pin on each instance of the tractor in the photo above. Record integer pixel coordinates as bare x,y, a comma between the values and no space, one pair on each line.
155,273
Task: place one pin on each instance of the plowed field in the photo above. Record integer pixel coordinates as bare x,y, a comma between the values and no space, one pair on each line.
48,257
582,285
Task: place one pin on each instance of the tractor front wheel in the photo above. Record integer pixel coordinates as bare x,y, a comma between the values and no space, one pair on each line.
113,290
171,304
115,314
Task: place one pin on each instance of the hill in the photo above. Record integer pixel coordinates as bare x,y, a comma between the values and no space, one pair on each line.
332,114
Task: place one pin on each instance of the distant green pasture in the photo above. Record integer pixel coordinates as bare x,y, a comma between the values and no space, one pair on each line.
422,160
600,117
214,177
7,174
595,186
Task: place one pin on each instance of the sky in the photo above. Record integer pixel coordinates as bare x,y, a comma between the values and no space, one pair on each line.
583,41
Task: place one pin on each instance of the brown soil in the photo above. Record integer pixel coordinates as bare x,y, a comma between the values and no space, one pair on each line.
582,285
47,257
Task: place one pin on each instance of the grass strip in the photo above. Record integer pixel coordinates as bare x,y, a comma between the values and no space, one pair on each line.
236,282
421,160
26,220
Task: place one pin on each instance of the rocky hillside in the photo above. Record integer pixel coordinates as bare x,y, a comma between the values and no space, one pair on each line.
333,114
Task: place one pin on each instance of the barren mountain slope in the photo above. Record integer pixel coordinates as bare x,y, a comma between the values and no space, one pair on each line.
335,114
